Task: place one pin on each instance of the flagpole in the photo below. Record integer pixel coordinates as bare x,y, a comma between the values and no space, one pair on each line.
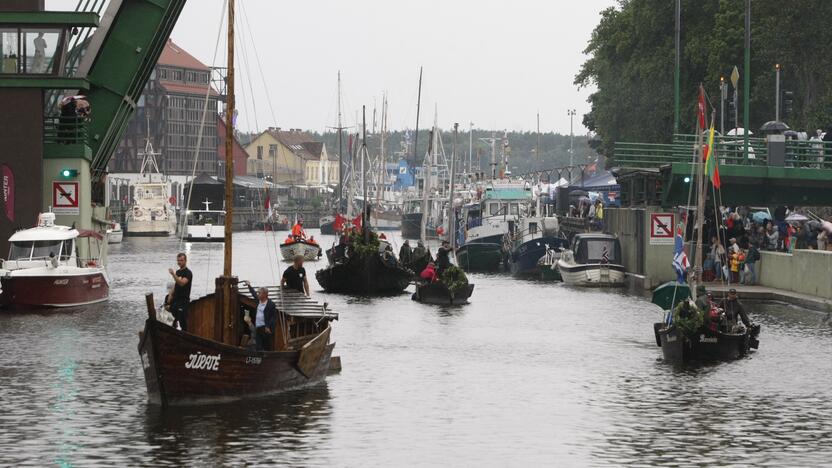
700,195
678,71
746,81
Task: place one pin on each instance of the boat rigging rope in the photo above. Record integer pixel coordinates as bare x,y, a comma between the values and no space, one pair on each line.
202,126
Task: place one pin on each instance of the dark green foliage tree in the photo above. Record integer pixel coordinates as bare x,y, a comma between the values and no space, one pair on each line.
632,55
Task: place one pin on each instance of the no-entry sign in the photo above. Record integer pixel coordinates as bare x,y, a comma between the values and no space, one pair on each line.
661,228
65,197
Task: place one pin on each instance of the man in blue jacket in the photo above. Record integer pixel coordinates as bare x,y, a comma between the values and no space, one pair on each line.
265,319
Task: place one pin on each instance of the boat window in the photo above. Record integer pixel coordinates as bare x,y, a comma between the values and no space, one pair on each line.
532,228
44,248
597,249
493,209
66,249
20,251
514,209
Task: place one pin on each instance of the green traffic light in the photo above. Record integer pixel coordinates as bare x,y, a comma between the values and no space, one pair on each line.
67,173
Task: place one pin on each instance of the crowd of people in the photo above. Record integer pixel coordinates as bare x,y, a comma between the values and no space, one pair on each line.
733,251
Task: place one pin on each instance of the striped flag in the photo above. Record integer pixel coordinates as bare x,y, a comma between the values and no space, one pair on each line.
680,258
711,166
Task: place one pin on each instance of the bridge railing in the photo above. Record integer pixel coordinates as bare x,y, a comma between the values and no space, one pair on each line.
730,151
65,130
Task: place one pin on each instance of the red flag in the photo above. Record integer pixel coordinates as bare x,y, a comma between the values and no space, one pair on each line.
269,205
701,109
338,224
357,222
8,192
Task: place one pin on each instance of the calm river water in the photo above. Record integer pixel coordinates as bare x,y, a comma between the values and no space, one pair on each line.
527,374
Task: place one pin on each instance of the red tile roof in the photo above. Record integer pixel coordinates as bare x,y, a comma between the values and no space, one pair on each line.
175,56
186,88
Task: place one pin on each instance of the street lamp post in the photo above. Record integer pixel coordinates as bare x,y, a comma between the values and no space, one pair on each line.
470,148
571,113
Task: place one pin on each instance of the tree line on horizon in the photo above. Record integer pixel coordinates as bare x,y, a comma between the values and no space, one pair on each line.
523,158
632,61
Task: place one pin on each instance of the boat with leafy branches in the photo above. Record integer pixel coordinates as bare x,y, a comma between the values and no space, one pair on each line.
361,267
451,288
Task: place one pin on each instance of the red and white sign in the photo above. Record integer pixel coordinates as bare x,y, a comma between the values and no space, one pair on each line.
65,197
661,229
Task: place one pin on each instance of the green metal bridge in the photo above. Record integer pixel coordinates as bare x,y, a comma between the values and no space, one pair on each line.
795,173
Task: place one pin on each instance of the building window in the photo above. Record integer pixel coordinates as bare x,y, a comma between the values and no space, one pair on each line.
272,151
259,152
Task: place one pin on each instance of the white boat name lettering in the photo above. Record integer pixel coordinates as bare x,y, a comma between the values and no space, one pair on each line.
705,339
203,361
61,282
254,360
671,339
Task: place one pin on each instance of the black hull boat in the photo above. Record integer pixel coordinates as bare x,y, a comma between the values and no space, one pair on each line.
524,259
439,294
704,346
367,274
411,225
206,365
328,229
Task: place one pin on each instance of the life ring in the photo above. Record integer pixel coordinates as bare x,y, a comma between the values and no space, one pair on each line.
138,212
158,213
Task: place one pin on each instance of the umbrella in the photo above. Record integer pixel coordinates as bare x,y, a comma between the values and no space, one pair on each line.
826,226
760,217
796,218
773,126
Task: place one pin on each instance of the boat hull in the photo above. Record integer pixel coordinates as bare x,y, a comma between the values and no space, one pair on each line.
524,259
115,237
705,346
594,274
49,291
439,294
549,273
412,225
328,229
308,251
479,256
365,275
176,375
161,228
205,233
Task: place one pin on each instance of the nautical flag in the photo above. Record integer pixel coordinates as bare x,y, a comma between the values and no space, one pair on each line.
701,109
711,166
269,205
680,258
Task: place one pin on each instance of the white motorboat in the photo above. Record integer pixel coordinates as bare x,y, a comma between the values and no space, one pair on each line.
53,266
594,260
205,225
152,213
114,234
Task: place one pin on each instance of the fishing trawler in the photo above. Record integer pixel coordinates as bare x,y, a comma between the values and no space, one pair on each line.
152,213
44,267
207,362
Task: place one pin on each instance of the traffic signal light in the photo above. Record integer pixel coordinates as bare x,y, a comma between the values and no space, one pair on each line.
788,102
69,173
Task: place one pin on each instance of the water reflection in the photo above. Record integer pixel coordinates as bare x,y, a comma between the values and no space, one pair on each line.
264,431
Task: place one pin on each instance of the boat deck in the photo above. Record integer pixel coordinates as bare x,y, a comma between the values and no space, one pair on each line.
296,304
765,293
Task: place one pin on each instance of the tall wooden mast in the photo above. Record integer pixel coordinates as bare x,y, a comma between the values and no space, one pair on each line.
229,145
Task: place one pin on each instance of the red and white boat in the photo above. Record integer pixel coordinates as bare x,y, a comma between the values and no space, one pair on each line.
44,268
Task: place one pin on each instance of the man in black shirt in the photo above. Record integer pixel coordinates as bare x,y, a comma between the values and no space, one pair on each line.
295,277
181,296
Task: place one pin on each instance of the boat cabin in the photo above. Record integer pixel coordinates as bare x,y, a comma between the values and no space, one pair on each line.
48,243
206,216
590,248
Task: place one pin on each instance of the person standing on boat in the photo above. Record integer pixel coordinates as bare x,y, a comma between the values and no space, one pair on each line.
443,259
181,296
297,231
265,319
405,253
295,277
734,312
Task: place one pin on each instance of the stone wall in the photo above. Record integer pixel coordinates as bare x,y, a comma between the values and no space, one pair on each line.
804,271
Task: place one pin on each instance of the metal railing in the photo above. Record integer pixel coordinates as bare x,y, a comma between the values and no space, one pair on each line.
65,130
730,150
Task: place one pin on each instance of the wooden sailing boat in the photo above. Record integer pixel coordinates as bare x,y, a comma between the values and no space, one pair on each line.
368,269
705,344
205,363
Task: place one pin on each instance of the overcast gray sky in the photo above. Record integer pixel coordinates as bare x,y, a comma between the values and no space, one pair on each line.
491,62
